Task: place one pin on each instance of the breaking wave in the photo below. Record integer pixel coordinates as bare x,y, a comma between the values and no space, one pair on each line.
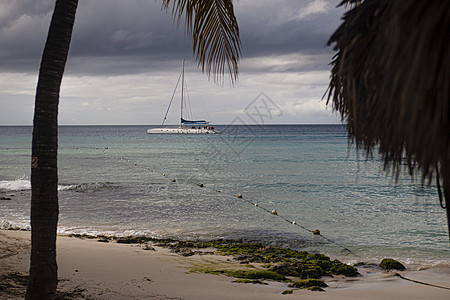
8,225
15,185
24,184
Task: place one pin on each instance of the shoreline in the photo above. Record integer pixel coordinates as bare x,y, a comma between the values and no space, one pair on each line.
418,259
89,269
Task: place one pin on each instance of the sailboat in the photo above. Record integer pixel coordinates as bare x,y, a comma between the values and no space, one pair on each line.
186,126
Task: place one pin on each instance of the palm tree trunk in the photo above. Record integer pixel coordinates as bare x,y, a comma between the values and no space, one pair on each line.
446,176
44,177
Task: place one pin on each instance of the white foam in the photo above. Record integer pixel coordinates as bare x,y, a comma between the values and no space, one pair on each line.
15,185
66,187
114,231
24,184
6,224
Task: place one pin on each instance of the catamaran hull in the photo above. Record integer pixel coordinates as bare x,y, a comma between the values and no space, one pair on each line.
182,131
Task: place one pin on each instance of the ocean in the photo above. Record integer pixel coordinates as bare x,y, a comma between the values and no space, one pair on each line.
119,180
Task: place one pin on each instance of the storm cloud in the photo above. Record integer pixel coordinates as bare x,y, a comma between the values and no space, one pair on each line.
135,42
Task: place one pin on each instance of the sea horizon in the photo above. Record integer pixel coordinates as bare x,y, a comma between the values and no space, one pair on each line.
213,124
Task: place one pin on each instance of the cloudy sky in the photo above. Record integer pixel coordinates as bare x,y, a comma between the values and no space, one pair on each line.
125,60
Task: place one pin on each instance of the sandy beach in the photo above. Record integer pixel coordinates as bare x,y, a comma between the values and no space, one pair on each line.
89,269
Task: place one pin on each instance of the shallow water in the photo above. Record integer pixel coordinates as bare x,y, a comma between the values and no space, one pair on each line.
305,172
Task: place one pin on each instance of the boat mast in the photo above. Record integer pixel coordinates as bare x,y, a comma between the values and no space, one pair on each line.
182,92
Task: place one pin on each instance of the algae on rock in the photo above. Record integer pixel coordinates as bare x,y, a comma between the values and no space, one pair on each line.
391,264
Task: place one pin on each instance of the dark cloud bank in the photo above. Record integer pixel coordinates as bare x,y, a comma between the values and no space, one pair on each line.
126,37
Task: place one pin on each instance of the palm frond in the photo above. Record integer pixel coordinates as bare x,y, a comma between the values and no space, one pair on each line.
215,33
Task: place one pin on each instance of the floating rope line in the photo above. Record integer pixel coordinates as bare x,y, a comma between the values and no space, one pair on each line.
275,213
239,196
420,282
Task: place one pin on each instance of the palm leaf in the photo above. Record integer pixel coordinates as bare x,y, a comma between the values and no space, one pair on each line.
215,33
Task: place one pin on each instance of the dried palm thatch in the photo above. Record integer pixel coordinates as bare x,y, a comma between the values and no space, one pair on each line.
390,83
215,33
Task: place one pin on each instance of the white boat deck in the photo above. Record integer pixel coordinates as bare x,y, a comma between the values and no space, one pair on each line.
182,130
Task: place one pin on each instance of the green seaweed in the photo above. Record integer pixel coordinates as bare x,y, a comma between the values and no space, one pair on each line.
255,274
319,260
252,281
129,240
268,254
339,268
313,272
290,269
242,274
391,264
314,266
287,292
305,283
83,236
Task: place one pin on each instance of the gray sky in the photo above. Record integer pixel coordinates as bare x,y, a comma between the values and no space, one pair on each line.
125,59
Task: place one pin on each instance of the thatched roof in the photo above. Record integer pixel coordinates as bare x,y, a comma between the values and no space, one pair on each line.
390,80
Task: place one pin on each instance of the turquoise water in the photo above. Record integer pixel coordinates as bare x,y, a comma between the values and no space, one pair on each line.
307,173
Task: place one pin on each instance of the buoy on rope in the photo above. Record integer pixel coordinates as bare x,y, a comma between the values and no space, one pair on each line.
316,232
293,222
163,174
200,185
173,180
274,212
239,196
256,204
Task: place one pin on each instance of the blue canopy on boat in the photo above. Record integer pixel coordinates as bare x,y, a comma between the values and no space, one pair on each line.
183,121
